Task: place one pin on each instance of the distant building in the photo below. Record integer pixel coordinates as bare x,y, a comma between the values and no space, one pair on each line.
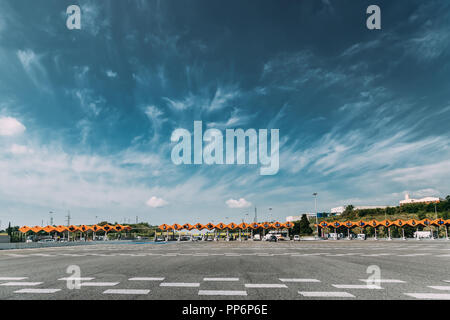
339,210
409,200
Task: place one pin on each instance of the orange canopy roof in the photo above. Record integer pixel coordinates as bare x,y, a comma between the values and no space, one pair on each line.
399,223
265,225
165,227
24,229
425,222
107,227
335,224
73,228
254,225
288,224
349,224
119,227
209,226
48,229
187,226
220,226
438,222
83,228
96,228
177,226
277,225
232,226
412,222
199,226
61,228
243,226
36,229
362,224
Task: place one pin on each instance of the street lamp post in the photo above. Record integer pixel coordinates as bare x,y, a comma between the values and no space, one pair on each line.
315,209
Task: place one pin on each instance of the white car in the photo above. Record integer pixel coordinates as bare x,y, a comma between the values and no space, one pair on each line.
296,238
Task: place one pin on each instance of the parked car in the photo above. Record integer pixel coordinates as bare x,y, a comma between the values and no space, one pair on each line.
296,237
361,236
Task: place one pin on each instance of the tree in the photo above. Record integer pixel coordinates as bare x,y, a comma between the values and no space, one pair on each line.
9,229
304,225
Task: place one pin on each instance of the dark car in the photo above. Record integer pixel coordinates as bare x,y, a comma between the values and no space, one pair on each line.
273,239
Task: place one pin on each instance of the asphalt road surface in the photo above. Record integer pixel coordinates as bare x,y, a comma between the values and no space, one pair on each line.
230,270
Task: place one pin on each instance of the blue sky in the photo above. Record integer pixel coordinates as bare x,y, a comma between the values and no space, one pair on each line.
86,115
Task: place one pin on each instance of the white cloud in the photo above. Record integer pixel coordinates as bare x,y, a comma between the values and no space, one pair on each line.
156,202
19,149
10,126
241,203
153,112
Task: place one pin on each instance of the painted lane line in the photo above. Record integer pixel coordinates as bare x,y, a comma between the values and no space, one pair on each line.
383,280
437,296
12,278
99,284
37,290
221,293
356,286
440,287
180,284
446,280
76,279
326,294
299,280
146,279
265,285
13,284
126,291
220,279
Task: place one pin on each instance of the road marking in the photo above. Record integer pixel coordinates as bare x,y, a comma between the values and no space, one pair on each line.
356,286
446,280
12,284
327,294
146,279
221,293
220,279
99,284
414,255
265,285
299,280
383,280
126,291
440,287
75,279
438,296
37,291
12,278
180,284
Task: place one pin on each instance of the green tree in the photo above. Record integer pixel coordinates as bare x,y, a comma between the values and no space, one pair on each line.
304,226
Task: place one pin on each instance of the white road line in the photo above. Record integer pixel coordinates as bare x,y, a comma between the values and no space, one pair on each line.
446,280
299,280
146,279
265,285
326,294
438,296
383,280
356,286
75,279
13,284
37,291
221,293
180,284
440,287
220,279
12,278
126,291
99,284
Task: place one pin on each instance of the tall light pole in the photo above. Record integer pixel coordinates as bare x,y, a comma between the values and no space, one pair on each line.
315,209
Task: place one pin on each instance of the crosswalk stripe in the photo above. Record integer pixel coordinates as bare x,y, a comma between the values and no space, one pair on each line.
180,284
146,279
383,280
265,285
221,293
356,286
37,290
440,287
76,279
126,291
13,284
327,294
220,279
12,278
99,284
437,296
299,280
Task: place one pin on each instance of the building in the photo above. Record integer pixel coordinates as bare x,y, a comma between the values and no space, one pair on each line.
409,200
339,210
